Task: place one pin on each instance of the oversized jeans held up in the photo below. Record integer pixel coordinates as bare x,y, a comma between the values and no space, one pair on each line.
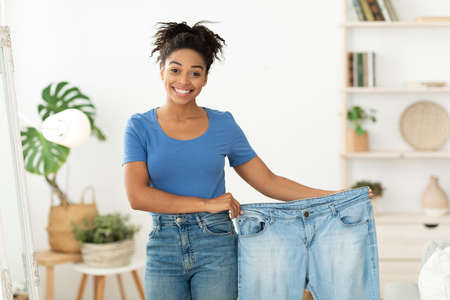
326,245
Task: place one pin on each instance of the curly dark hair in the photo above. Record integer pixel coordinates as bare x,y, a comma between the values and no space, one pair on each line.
172,36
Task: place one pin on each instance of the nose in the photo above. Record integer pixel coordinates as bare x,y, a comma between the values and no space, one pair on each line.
184,78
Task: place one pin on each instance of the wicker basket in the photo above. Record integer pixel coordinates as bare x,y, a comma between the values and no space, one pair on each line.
60,218
109,255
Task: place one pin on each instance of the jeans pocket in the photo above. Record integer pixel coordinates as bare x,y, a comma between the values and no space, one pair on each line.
252,224
353,215
218,227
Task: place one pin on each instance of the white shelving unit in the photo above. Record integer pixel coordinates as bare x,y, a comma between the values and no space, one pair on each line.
346,92
401,236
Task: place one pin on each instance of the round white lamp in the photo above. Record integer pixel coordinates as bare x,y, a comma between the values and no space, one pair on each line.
70,128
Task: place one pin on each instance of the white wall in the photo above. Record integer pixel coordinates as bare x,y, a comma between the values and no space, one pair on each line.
280,78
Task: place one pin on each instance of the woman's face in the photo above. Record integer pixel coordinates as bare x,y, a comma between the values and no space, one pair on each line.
184,75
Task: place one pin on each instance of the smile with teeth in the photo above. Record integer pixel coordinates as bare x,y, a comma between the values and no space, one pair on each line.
184,92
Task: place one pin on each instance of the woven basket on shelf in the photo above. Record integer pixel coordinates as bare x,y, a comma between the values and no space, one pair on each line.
60,218
425,125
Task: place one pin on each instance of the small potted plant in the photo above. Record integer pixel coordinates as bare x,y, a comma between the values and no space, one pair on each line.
358,138
376,187
107,241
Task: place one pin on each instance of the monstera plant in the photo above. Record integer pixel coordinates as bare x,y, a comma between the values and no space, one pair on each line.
43,157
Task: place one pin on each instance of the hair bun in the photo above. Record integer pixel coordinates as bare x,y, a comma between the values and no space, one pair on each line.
172,35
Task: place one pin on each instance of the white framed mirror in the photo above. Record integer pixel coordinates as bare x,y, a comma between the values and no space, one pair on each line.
18,268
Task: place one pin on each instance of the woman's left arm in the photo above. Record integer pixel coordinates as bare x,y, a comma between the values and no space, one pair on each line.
259,176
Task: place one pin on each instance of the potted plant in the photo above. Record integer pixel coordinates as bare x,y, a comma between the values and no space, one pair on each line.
357,138
45,158
107,240
376,187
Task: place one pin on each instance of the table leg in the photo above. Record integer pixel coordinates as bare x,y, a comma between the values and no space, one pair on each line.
82,285
138,284
122,291
49,272
100,288
95,286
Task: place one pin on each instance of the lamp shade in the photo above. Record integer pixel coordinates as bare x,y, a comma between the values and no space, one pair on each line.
70,128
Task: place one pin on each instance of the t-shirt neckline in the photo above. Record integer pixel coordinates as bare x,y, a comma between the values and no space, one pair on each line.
178,140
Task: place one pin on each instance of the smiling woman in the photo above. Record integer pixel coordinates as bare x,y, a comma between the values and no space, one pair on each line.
174,159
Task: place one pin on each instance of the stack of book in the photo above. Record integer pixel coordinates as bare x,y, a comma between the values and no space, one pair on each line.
361,69
374,10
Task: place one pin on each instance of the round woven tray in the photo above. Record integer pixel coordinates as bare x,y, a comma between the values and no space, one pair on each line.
425,125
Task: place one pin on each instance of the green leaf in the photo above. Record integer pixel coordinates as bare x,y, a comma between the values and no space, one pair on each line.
40,155
359,130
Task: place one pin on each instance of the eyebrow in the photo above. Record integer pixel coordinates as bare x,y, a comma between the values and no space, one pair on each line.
175,62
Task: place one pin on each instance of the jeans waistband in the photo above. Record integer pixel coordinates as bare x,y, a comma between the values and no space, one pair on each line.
188,218
316,204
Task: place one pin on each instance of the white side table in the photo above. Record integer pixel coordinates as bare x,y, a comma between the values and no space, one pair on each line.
99,277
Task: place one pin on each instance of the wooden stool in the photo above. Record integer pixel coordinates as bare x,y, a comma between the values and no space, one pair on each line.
49,259
99,278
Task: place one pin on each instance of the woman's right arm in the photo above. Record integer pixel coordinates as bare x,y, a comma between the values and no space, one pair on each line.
143,197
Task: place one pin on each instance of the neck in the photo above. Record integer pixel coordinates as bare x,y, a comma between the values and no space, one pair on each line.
174,111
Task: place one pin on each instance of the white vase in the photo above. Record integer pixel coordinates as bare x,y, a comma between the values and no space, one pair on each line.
434,199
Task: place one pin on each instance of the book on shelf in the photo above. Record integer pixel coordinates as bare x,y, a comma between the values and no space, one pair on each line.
374,10
361,69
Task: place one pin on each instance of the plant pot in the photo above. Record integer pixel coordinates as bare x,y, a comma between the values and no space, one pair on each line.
60,218
116,254
356,142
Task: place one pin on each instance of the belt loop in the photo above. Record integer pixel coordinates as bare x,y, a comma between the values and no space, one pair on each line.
200,222
157,221
333,209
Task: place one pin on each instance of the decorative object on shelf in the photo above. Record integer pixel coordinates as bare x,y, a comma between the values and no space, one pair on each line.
68,118
60,219
358,138
107,241
433,19
426,84
377,190
434,199
425,125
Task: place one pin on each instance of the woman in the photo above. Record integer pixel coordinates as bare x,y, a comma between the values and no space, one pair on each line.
175,156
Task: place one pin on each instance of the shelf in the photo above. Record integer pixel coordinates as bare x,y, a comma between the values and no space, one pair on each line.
379,90
399,154
394,24
399,218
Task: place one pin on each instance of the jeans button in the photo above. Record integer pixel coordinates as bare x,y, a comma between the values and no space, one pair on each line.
306,214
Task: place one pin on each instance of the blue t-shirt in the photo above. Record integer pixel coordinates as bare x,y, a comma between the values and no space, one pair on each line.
192,167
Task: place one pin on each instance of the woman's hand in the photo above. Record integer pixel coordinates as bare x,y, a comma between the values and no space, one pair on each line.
347,189
224,202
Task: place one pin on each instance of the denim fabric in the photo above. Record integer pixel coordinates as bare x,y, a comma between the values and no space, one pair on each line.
192,256
325,244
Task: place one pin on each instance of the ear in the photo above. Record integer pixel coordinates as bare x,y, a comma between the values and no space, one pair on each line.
161,72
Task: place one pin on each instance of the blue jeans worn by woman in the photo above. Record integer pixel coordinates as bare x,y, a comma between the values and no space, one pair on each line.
326,245
192,256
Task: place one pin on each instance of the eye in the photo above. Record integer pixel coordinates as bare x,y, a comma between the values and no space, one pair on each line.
196,74
173,70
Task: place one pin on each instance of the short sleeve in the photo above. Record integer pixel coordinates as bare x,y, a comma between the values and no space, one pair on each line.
134,147
240,150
